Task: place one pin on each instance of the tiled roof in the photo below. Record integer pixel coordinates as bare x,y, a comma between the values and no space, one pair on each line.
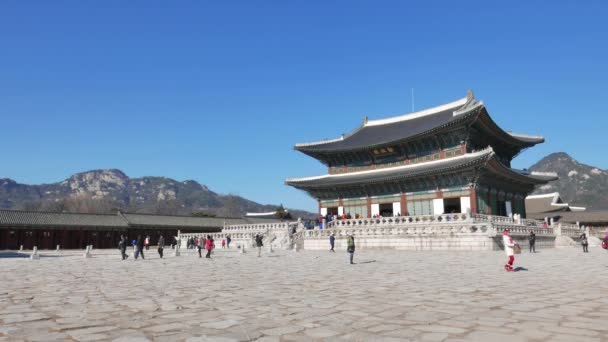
392,173
375,133
34,218
548,203
370,134
583,217
121,220
187,221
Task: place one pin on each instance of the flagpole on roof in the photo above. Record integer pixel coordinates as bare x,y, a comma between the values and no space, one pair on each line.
412,100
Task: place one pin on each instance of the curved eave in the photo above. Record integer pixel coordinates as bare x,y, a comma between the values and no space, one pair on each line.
516,139
394,173
519,175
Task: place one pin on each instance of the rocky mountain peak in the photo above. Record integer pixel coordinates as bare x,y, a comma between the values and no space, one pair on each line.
578,184
97,183
7,182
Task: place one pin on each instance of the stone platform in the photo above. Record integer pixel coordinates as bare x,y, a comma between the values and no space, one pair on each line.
306,296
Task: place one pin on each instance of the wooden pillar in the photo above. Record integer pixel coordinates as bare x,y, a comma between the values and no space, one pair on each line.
489,201
473,196
403,205
369,207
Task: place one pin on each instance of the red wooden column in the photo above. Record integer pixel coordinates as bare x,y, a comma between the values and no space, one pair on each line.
489,202
473,196
369,207
403,205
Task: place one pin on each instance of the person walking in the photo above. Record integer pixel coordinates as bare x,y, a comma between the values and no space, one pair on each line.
208,246
532,241
122,245
228,239
584,242
139,247
161,246
259,243
223,243
147,242
199,245
350,247
332,241
509,244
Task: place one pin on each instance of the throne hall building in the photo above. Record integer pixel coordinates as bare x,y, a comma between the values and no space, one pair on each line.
452,158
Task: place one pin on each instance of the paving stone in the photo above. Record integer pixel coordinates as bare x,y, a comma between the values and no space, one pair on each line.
309,296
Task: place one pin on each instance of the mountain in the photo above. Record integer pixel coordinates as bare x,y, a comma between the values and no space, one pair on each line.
578,184
107,190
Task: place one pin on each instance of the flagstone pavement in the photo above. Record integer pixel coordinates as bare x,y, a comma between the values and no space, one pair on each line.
560,295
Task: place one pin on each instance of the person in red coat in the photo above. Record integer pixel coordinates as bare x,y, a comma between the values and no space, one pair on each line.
208,246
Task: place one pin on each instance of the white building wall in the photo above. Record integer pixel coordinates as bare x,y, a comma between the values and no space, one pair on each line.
509,208
340,211
396,208
323,211
375,209
438,206
465,204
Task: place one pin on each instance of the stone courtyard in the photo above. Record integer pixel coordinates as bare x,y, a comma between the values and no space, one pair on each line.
559,295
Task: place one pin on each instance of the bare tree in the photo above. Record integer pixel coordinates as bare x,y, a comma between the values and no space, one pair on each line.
56,206
167,207
231,206
30,205
87,204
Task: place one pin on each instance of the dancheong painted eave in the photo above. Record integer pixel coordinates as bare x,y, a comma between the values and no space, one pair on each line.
382,132
485,158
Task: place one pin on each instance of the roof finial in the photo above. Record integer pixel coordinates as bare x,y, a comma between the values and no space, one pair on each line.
470,95
365,120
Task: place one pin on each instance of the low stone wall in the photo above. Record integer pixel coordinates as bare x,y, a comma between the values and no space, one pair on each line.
434,232
445,236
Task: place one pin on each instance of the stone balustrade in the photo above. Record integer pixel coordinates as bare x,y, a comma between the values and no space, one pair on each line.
398,220
260,227
446,231
458,234
447,228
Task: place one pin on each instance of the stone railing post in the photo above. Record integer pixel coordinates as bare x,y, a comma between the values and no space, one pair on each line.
558,230
57,248
35,255
87,252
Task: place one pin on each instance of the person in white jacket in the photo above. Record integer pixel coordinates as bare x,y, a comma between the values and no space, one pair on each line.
509,244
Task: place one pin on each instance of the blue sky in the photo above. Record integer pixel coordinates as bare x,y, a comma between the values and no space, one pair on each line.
220,91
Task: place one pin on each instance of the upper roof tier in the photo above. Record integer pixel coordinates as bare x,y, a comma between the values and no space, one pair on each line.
399,129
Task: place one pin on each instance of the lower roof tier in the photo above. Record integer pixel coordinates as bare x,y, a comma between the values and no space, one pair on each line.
466,169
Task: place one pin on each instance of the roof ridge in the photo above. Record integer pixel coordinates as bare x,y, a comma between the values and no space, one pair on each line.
457,104
54,212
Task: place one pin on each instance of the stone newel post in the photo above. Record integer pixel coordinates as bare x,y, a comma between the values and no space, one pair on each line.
35,255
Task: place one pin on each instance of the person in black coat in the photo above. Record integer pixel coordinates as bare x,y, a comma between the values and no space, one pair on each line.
532,241
139,245
122,245
584,242
161,246
259,243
